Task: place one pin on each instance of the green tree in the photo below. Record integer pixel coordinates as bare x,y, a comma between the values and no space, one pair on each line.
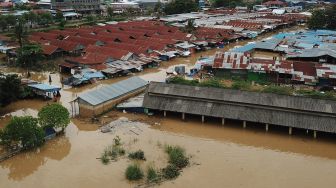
190,27
91,19
30,18
317,20
330,14
158,9
45,19
29,54
20,32
10,89
62,24
227,3
59,16
11,20
55,116
3,22
110,12
180,6
23,132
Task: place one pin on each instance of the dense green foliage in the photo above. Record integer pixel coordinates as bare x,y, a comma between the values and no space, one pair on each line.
278,90
152,175
54,115
10,89
170,172
180,6
247,86
138,155
323,19
316,94
28,55
113,152
177,156
30,19
23,132
227,3
134,172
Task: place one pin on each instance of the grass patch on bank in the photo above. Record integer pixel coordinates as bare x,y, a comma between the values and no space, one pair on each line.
137,155
248,86
112,152
134,172
177,156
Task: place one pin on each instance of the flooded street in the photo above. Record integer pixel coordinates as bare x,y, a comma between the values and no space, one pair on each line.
221,156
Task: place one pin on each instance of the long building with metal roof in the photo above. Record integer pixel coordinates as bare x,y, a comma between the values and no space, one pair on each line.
268,108
95,102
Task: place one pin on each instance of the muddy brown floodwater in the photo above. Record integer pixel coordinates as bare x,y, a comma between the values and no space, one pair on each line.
221,156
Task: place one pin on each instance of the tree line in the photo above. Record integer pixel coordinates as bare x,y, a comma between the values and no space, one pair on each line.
323,19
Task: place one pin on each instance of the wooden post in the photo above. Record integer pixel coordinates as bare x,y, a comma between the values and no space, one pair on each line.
183,116
290,131
202,119
244,124
266,127
164,113
223,121
315,134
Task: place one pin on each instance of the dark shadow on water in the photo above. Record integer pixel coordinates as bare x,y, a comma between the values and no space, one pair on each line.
276,138
26,163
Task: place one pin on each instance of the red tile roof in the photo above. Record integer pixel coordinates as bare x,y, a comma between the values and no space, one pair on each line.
49,49
106,51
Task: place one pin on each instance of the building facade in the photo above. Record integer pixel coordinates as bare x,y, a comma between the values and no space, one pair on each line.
80,6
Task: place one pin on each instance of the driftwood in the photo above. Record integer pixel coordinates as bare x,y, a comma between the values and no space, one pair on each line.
134,132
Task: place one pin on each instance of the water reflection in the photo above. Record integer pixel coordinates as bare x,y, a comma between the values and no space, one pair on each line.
25,164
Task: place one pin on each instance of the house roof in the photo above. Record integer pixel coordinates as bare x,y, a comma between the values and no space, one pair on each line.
106,51
112,91
49,49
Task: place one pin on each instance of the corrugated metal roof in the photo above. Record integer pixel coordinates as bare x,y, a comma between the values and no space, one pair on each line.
112,91
45,87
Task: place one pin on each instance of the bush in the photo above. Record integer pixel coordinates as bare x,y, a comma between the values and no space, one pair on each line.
212,83
171,172
180,80
278,90
139,155
317,94
242,85
134,172
104,158
152,175
177,156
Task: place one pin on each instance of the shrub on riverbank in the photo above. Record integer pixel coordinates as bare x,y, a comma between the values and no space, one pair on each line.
152,175
138,155
171,172
134,172
177,156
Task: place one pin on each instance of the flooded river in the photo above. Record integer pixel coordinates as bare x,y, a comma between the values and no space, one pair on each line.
221,156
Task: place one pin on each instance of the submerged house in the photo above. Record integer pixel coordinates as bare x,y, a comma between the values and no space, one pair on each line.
96,102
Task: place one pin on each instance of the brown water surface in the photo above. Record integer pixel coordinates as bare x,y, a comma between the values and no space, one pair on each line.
222,156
